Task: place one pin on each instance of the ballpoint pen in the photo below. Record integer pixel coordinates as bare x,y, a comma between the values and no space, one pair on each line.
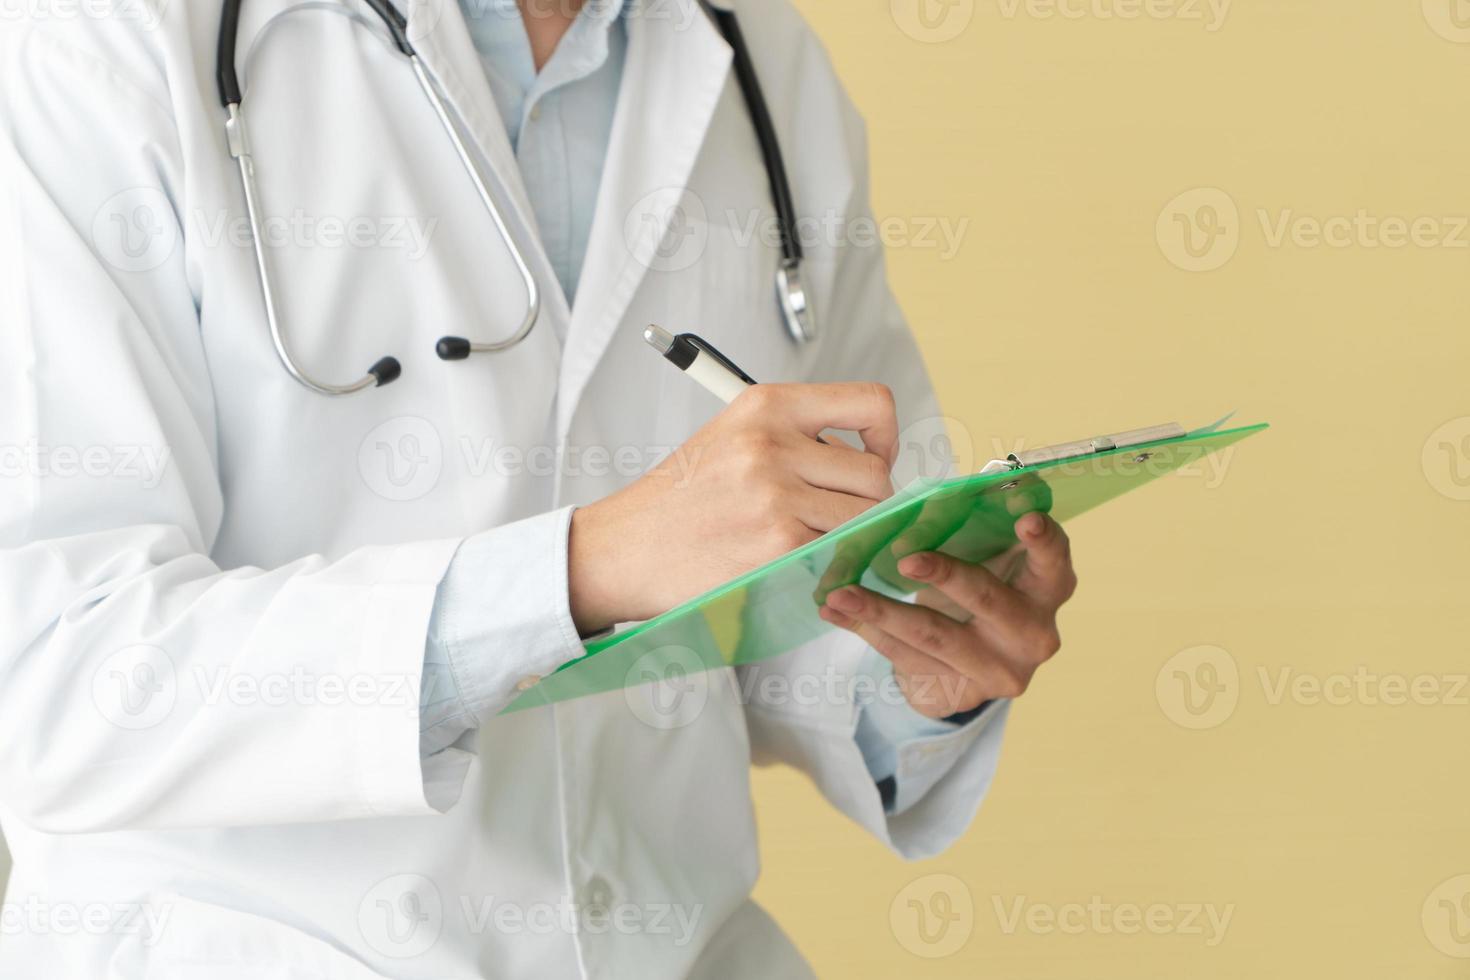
697,358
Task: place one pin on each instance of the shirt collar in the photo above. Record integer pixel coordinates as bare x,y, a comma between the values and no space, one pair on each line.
584,47
500,36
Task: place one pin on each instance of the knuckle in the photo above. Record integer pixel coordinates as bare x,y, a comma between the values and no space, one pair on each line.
932,639
1047,541
1046,642
983,599
1069,585
944,570
882,395
1011,684
757,398
877,475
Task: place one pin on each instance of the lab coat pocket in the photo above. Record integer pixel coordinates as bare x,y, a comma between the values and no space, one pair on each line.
198,939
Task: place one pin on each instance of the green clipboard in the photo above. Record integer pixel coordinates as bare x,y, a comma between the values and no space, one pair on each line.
773,609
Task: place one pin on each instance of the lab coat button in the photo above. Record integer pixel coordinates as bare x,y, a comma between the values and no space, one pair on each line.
528,682
536,112
599,898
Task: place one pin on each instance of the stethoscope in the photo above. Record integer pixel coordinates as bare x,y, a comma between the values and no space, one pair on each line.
791,296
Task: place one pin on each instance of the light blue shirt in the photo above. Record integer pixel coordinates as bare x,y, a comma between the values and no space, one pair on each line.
560,124
560,121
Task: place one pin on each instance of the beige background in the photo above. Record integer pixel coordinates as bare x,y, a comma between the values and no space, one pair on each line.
1332,826
1332,833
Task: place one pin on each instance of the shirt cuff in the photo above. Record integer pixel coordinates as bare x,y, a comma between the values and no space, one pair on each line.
907,752
502,619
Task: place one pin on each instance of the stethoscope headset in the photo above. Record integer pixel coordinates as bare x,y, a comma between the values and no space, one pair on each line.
791,296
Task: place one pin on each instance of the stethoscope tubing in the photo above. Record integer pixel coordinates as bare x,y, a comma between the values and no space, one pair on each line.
791,293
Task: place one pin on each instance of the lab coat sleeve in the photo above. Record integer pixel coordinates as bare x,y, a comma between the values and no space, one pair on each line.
142,685
906,753
863,337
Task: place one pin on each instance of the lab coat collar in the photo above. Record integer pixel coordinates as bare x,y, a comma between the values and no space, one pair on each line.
677,68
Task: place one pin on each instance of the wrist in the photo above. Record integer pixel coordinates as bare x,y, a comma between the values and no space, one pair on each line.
591,579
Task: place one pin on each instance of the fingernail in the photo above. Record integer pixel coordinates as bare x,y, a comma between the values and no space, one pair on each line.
1032,524
917,566
845,600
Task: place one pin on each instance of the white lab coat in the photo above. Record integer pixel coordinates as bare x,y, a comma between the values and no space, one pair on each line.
180,511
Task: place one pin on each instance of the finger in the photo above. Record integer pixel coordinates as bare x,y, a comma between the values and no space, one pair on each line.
929,685
839,467
927,631
941,603
1048,575
939,518
1020,631
902,655
922,677
1008,564
854,553
972,587
822,510
866,408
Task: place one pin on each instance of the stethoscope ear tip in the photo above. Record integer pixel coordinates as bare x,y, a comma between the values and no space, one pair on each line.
386,371
452,348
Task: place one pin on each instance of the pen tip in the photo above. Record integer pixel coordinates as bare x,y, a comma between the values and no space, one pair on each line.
658,338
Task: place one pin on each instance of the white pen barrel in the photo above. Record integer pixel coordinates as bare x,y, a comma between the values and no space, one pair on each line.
710,374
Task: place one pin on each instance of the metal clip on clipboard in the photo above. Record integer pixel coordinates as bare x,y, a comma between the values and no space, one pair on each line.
1084,447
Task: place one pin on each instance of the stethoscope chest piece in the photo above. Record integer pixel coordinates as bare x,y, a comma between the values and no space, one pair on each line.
796,308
